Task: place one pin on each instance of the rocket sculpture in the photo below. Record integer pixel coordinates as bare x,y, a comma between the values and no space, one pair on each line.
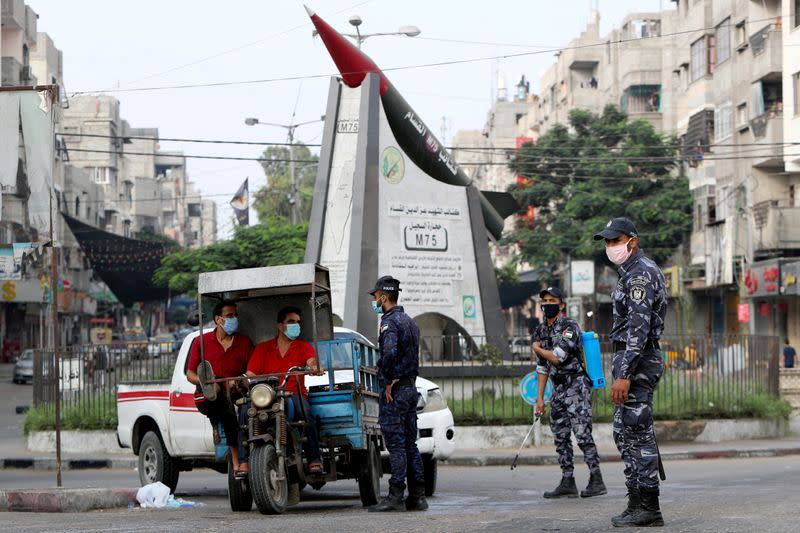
411,133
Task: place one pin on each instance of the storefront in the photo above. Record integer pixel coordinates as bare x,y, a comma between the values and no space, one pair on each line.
790,292
769,307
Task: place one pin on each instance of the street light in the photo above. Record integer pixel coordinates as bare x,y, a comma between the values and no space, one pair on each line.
253,121
355,21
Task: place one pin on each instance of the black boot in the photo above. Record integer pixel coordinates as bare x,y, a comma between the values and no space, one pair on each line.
565,489
392,502
596,487
634,504
648,514
416,497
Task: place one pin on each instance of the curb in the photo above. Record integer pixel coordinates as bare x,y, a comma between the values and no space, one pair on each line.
64,500
47,463
542,460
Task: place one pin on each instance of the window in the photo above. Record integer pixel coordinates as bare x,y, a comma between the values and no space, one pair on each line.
724,41
99,174
723,122
642,99
796,91
702,51
741,115
767,98
796,13
740,35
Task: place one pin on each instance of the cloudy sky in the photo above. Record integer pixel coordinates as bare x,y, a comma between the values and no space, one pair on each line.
119,46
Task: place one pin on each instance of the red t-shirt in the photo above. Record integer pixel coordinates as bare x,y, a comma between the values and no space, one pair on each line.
225,364
266,359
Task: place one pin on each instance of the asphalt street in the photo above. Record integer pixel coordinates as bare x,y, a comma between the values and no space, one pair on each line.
10,422
714,496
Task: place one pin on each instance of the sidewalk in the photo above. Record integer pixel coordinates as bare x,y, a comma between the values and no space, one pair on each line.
673,451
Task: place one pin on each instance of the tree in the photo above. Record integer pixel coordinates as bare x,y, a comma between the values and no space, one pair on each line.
274,243
602,167
273,200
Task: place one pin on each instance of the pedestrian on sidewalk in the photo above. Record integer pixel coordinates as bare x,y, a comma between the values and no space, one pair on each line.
788,355
639,304
557,346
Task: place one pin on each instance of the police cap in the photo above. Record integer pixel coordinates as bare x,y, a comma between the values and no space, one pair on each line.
386,284
552,291
615,228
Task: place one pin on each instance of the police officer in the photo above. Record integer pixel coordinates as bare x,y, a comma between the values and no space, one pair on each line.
557,345
398,367
639,305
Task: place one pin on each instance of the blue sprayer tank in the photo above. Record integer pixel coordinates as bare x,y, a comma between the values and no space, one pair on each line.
593,361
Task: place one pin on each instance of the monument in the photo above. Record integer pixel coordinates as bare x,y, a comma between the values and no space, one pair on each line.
390,200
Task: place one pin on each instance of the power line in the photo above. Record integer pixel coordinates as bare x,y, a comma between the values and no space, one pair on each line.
175,139
223,157
410,67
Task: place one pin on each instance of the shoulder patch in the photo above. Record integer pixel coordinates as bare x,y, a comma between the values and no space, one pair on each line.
384,327
638,294
640,280
567,334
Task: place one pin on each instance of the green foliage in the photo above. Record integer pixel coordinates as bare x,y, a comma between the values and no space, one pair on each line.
269,244
507,274
601,168
488,354
90,412
272,201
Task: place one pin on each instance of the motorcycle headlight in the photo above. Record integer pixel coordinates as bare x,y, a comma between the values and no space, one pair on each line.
435,401
262,395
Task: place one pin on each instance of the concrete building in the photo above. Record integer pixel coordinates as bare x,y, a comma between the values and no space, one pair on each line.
17,37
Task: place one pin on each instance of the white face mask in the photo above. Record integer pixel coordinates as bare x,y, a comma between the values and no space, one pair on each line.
619,253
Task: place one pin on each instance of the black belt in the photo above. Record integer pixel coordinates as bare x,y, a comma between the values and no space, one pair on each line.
406,382
651,344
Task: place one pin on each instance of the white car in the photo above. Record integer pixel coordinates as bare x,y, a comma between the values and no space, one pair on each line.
434,418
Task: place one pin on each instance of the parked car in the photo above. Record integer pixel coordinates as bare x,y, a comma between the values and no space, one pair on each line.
23,368
521,348
136,341
434,419
162,343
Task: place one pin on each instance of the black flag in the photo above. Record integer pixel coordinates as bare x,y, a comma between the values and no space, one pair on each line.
241,204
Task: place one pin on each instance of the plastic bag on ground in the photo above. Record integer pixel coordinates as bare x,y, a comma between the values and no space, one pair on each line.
180,502
153,495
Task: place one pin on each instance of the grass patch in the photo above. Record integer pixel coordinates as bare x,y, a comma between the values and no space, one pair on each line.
91,412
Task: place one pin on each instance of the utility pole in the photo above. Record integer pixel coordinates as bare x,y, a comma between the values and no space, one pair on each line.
55,343
293,198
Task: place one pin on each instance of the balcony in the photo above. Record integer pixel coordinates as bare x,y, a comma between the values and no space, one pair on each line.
767,49
776,227
767,130
13,14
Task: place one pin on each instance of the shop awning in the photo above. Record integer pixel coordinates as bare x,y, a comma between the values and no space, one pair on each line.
125,265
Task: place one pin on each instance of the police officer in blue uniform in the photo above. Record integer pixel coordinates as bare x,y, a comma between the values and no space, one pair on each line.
639,307
398,368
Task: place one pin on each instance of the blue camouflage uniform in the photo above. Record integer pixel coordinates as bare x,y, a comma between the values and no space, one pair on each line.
639,305
399,349
571,403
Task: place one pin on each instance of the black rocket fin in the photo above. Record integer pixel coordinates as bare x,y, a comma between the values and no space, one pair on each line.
504,202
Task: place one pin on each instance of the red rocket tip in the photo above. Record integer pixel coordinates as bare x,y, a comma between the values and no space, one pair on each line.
352,63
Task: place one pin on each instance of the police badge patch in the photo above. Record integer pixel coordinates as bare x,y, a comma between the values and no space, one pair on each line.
638,294
567,334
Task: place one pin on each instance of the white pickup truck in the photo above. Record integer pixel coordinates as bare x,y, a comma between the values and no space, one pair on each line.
159,421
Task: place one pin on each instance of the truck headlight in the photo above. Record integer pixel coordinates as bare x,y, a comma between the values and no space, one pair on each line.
262,395
435,401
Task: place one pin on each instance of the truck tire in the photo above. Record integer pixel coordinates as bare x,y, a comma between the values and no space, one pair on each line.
155,462
369,476
238,491
431,466
270,494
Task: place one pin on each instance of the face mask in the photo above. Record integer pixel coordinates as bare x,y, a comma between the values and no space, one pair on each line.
619,253
551,310
230,325
292,331
378,308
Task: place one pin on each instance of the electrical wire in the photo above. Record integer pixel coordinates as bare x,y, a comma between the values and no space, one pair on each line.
410,67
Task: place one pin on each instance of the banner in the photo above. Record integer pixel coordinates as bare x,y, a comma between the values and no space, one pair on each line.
582,277
241,204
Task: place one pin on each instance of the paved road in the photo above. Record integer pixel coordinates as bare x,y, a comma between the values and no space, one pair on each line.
713,496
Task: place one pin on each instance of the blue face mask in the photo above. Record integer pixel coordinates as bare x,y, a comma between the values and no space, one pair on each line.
293,331
377,307
231,325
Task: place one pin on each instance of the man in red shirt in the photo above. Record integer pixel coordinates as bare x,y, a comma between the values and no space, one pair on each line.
279,355
228,354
